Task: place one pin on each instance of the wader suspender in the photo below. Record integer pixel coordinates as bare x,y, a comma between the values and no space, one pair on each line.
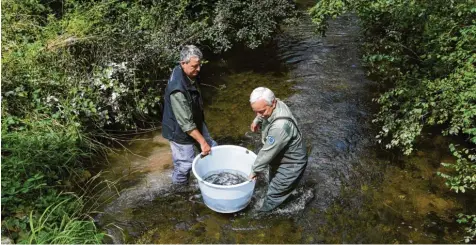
285,118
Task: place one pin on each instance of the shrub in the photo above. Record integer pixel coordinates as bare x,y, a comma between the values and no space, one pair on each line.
422,53
71,70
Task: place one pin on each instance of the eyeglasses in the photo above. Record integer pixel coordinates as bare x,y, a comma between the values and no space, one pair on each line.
196,66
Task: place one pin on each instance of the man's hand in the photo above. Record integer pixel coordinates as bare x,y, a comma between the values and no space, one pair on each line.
199,138
254,127
253,176
206,149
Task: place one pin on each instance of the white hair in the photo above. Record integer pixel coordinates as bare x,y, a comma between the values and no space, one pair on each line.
262,93
190,51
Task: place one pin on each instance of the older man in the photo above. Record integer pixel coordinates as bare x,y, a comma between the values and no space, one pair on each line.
283,147
183,122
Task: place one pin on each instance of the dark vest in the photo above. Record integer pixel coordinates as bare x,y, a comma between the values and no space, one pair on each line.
170,128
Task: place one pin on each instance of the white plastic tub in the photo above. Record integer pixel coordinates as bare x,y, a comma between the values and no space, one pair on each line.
228,158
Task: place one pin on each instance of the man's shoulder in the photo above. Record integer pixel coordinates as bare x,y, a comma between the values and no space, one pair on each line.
281,123
177,74
176,79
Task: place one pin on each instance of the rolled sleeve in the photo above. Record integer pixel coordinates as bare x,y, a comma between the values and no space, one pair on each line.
271,148
258,120
182,111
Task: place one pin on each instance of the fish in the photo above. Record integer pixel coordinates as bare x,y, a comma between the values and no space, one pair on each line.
225,178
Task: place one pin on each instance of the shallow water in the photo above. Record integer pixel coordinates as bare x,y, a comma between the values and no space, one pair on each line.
352,192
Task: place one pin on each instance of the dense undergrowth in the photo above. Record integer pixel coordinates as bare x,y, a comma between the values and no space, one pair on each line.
73,71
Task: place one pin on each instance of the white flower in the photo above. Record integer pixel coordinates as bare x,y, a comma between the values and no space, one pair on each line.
123,65
109,73
51,98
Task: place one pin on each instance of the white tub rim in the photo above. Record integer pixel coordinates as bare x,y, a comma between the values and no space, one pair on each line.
199,178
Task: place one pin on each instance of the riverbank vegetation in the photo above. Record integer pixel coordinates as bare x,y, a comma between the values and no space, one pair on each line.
73,71
422,54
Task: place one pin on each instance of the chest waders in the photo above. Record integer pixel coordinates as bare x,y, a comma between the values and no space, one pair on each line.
284,173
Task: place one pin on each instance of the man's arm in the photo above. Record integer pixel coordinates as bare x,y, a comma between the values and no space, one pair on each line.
276,140
256,124
184,116
182,111
201,140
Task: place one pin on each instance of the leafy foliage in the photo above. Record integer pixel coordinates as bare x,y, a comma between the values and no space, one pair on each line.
465,169
73,69
105,63
422,52
471,230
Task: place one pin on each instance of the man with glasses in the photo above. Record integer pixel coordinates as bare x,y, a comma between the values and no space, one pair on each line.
283,147
183,122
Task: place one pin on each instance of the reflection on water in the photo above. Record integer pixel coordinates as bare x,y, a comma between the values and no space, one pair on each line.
352,191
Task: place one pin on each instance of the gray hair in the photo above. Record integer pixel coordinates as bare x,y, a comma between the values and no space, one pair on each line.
189,51
262,93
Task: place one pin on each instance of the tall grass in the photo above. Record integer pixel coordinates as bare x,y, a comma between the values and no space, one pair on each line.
73,228
41,166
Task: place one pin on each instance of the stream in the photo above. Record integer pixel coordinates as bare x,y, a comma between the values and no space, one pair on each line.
353,190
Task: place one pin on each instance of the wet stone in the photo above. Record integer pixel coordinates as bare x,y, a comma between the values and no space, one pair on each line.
182,226
225,178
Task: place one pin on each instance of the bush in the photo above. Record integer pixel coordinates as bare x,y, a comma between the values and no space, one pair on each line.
106,63
72,70
422,52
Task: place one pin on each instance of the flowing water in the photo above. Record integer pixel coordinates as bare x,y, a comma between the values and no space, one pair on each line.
352,192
